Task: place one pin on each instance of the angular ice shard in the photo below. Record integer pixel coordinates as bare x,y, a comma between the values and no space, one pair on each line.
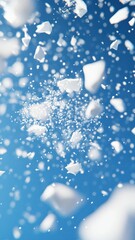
80,8
26,39
16,232
75,138
120,15
3,109
37,130
114,220
124,1
94,109
44,27
74,168
132,22
70,85
118,104
93,73
16,13
39,111
133,130
129,45
48,223
39,54
62,198
114,45
117,146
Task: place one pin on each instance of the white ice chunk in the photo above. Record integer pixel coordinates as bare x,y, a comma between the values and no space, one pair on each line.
120,15
133,130
37,130
9,47
3,109
94,109
26,39
114,220
80,8
73,41
117,146
129,45
114,45
44,27
40,111
62,198
70,85
118,104
2,150
48,223
39,54
74,168
16,69
1,173
16,13
75,138
132,22
93,73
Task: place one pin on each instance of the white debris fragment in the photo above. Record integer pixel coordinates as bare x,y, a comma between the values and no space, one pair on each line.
48,223
16,233
129,45
70,85
132,22
74,168
94,152
120,15
133,130
31,155
23,82
114,45
39,54
60,150
73,41
44,27
1,173
80,8
124,1
17,14
9,47
37,130
62,198
16,69
118,104
61,42
2,150
93,74
26,39
3,109
94,109
7,83
75,138
114,220
40,111
117,146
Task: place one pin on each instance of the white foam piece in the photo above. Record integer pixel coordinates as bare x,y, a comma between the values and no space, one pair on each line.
129,45
40,111
114,45
117,146
9,47
114,220
16,69
62,198
48,223
74,168
80,8
118,104
132,22
39,54
119,16
93,73
94,109
70,85
36,129
18,14
75,138
44,27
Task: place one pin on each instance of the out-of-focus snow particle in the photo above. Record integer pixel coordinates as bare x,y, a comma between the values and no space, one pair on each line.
9,47
31,155
94,152
104,193
39,54
44,27
40,111
7,83
26,39
120,15
23,82
80,8
60,150
73,41
118,104
129,45
3,109
16,233
133,130
74,168
18,14
75,138
112,220
61,42
117,146
16,69
70,85
132,22
93,73
2,150
114,45
37,130
62,198
94,109
48,223
1,173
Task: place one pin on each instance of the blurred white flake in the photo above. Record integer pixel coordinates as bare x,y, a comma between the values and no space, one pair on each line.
118,104
94,109
75,138
117,146
80,8
120,15
37,130
48,223
74,168
70,85
44,27
39,54
114,45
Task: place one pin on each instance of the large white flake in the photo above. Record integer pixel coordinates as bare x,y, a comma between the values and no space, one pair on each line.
44,27
70,85
120,15
118,104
